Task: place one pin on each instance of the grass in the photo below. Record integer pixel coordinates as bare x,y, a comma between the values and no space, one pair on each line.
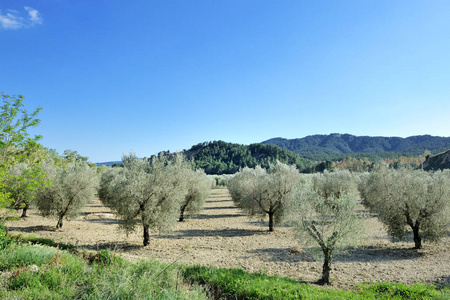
36,271
41,272
237,284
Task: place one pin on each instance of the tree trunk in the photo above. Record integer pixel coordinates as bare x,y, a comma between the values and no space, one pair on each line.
270,221
146,235
417,238
60,222
181,219
24,211
326,269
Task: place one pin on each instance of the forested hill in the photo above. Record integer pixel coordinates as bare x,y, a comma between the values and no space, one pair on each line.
334,145
219,157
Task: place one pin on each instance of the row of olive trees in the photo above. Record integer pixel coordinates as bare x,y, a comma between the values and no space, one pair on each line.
62,186
322,207
152,193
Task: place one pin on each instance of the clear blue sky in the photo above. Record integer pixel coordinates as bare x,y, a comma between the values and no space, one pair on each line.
147,76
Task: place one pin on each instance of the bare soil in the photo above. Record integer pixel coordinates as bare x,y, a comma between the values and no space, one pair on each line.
222,236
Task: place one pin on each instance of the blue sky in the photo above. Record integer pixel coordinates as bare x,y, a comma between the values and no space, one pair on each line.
147,76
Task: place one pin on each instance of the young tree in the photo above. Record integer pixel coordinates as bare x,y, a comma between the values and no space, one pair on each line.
72,186
151,190
407,198
268,193
198,188
328,221
16,147
14,123
22,183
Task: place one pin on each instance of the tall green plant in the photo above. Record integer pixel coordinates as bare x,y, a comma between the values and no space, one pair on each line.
16,146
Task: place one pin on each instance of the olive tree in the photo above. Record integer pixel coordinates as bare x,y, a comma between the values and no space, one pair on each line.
410,199
326,219
198,188
243,183
267,192
72,187
149,190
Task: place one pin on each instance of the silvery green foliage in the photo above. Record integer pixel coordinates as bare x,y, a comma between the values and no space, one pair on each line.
334,183
198,189
261,192
410,199
151,190
244,182
72,186
326,219
220,180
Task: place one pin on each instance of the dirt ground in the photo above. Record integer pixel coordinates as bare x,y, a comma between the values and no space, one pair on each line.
222,236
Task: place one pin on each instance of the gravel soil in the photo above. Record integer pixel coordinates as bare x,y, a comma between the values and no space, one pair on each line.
222,236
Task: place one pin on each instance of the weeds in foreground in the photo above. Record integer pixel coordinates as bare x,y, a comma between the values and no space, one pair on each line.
41,272
237,284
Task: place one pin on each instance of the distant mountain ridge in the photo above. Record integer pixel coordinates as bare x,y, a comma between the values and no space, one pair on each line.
336,143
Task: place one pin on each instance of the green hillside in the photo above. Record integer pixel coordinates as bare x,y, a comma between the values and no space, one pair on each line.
219,157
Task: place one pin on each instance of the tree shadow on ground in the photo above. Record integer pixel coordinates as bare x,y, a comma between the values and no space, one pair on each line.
211,233
217,201
281,255
96,205
366,254
106,221
377,254
33,228
203,216
443,281
111,246
219,207
87,213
